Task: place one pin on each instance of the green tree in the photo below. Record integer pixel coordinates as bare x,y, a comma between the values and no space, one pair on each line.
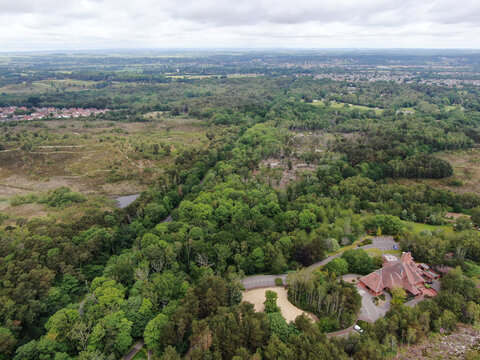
359,262
271,302
7,343
475,217
112,334
153,333
337,266
463,223
306,220
280,327
257,259
398,296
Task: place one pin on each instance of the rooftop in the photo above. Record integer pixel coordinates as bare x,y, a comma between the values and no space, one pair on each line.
403,273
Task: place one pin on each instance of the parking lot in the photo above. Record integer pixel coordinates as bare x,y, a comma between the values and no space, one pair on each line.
260,281
383,243
369,311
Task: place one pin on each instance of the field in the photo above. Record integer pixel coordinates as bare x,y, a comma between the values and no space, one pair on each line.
339,105
418,227
45,86
97,158
466,172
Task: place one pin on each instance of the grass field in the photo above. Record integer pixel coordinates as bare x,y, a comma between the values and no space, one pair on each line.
418,227
378,252
45,86
339,105
452,107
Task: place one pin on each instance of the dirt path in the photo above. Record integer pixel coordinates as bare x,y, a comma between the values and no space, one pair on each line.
289,311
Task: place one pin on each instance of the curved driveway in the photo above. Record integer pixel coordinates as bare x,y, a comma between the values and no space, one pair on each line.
383,243
369,311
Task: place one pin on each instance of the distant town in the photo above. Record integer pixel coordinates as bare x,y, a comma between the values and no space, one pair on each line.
24,113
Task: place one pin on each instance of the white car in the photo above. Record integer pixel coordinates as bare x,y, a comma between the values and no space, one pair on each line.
358,328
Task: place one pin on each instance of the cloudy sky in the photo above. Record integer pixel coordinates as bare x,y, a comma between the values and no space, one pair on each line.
115,24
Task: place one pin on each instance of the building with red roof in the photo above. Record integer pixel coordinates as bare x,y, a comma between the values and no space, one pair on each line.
394,273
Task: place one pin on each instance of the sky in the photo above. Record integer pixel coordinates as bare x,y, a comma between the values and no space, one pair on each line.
31,25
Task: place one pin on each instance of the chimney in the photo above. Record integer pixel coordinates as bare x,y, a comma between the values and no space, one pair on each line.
406,257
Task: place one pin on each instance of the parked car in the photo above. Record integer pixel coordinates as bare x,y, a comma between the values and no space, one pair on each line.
358,329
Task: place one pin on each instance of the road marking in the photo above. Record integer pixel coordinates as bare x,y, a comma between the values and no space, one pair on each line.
362,292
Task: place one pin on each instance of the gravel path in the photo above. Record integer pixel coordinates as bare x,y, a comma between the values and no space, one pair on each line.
289,311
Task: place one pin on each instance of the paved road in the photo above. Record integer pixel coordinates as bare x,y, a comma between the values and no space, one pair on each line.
133,351
369,311
140,344
169,217
256,281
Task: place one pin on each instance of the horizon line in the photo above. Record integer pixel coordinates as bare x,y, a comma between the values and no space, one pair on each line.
235,49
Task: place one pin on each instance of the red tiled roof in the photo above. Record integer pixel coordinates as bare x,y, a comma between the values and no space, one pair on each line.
403,273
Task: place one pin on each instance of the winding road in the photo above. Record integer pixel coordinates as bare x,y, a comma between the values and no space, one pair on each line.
382,243
369,311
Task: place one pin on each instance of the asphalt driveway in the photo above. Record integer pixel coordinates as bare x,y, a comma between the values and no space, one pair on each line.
369,311
383,243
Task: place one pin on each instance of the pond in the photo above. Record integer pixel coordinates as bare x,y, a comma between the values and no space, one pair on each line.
124,201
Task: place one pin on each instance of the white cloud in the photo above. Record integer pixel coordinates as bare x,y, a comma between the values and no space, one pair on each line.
88,24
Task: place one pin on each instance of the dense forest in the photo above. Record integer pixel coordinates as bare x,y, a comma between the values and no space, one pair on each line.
168,268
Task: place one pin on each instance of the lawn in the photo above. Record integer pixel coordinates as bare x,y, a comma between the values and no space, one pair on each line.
418,227
452,107
378,252
340,105
407,109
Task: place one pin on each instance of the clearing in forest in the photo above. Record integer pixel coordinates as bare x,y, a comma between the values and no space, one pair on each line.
288,310
98,158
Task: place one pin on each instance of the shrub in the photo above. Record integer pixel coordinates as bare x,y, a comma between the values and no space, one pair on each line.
326,324
278,282
455,182
23,199
62,196
366,241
